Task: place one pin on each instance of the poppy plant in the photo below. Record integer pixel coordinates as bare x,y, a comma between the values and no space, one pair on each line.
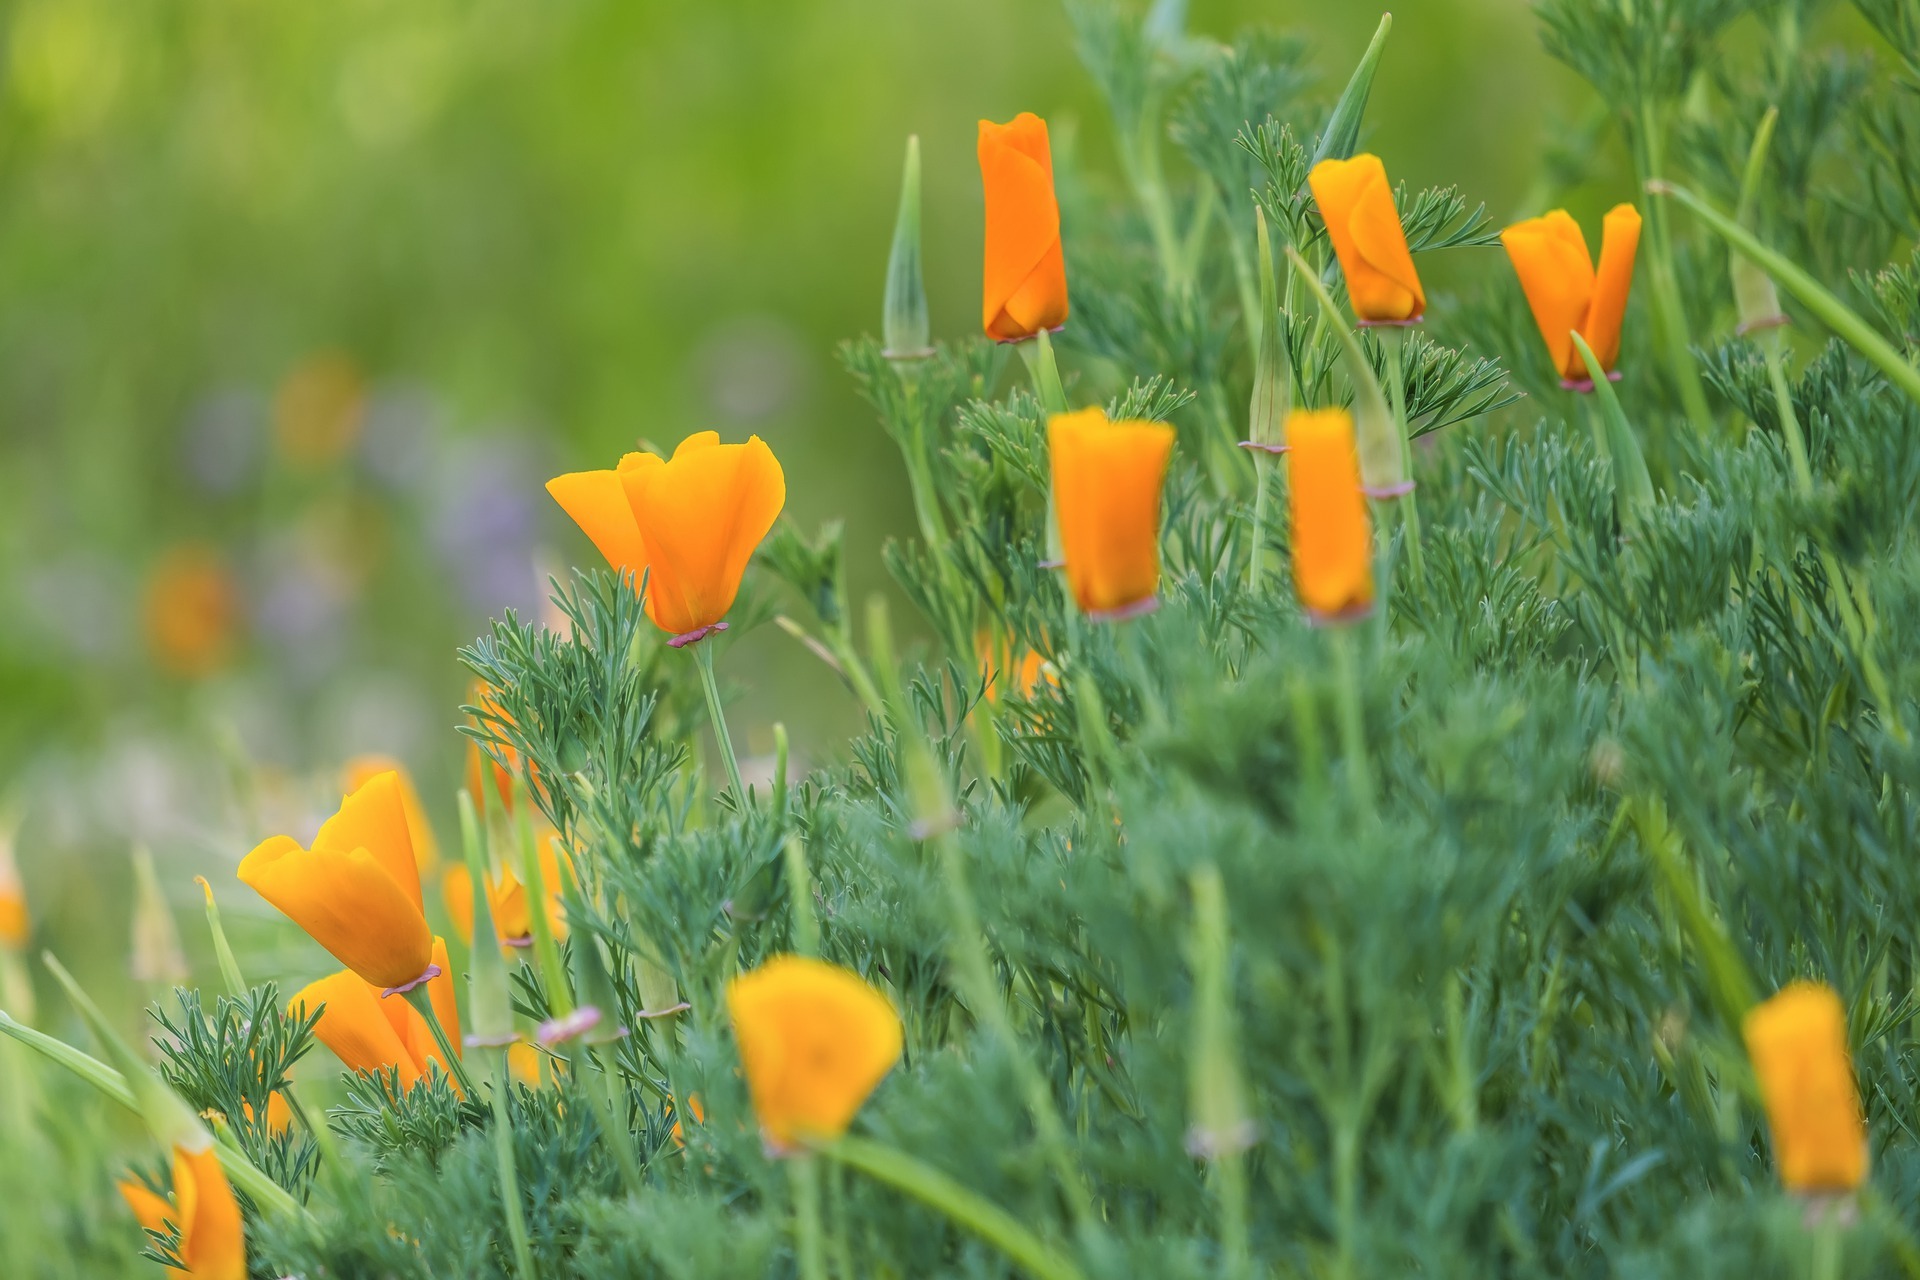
1356,203
1107,478
1569,294
1025,289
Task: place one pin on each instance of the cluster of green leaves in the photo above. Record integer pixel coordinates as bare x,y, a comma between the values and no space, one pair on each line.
1503,865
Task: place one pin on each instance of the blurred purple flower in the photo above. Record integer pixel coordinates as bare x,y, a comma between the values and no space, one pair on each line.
483,521
225,439
401,435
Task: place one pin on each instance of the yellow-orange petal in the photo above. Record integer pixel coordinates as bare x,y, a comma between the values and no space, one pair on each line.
703,513
348,903
1613,281
1356,203
357,1025
213,1240
598,504
1798,1043
152,1211
426,847
374,817
14,925
1107,478
1550,256
1332,544
1024,289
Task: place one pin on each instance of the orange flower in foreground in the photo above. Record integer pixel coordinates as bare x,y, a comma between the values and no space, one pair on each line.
190,611
507,896
1356,203
1026,274
1567,293
814,1041
1332,546
363,769
691,521
1107,478
357,890
212,1239
1798,1043
370,1033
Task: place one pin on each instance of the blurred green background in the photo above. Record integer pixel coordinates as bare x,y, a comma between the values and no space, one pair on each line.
301,304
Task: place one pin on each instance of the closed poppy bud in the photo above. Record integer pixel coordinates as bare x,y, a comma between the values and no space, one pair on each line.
1332,545
1356,203
1568,294
212,1239
1026,274
814,1042
1107,478
426,848
690,522
1798,1043
357,890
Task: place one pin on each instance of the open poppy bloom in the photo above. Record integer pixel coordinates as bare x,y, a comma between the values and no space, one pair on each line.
357,890
814,1041
690,523
1026,273
1798,1043
1356,203
369,1033
212,1239
1107,478
363,769
1332,544
1568,294
507,896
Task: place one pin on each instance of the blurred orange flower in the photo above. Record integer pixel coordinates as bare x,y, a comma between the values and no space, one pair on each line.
191,610
1107,478
1025,289
1798,1043
507,896
212,1238
369,1033
426,848
1332,544
1019,676
14,925
814,1040
1356,202
692,522
357,890
319,409
1568,294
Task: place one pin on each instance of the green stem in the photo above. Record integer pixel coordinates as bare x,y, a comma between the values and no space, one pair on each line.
612,1123
1230,1184
962,1206
806,927
1670,318
1353,732
422,1004
804,1172
546,948
703,658
1393,341
1256,567
1037,352
509,1173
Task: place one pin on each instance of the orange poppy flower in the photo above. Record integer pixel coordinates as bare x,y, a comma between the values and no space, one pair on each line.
1798,1043
1026,274
1356,203
426,849
213,1240
507,896
692,522
1332,546
1107,478
13,898
1020,676
191,610
357,890
370,1033
814,1041
481,765
1568,294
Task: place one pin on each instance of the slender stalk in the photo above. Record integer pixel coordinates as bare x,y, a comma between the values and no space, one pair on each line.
965,1208
1353,732
806,928
1393,342
1826,1248
1669,318
1263,472
804,1173
546,948
511,1207
595,1079
423,1005
703,658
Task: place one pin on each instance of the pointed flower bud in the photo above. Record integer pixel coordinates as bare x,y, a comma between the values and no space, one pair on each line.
157,954
1026,273
690,523
904,326
1754,293
1107,478
1332,544
357,890
815,1040
1272,380
1568,294
1356,203
1798,1043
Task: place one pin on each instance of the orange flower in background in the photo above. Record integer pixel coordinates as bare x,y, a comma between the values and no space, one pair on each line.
357,890
212,1238
697,519
1356,203
1107,478
1332,544
363,769
1019,676
370,1033
1568,294
507,896
481,764
14,925
1026,274
1798,1043
814,1041
190,611
319,410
